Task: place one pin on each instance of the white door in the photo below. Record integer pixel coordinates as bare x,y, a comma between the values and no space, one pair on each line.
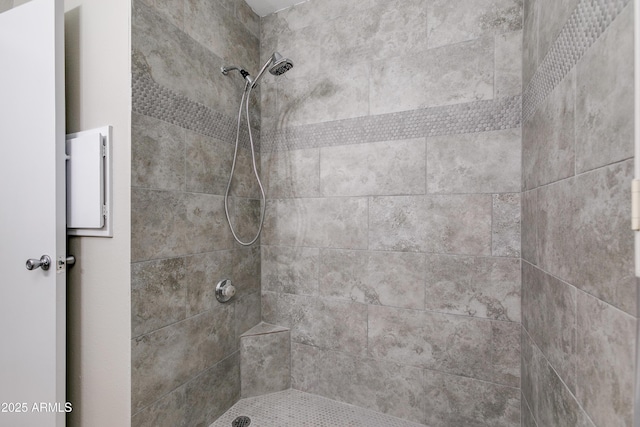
32,215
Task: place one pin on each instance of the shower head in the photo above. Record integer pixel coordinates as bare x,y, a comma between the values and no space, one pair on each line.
279,65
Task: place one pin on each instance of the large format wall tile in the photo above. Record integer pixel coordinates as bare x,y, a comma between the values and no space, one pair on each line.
584,236
505,353
505,227
202,273
527,419
463,72
529,40
172,10
387,30
340,94
378,385
453,344
605,360
179,63
529,226
304,364
394,167
449,23
508,70
604,254
453,401
320,322
245,218
208,164
168,357
265,362
291,270
548,138
604,102
391,28
487,162
248,17
474,286
554,223
551,403
168,411
389,278
289,174
307,14
246,269
553,16
158,294
214,27
155,224
247,313
549,316
458,224
205,225
213,392
334,222
157,154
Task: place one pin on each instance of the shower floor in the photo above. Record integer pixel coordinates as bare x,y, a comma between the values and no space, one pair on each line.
299,409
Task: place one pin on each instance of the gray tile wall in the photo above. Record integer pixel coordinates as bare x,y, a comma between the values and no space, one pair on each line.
578,286
185,345
265,360
391,155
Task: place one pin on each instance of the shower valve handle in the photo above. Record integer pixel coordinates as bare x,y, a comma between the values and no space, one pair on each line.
225,290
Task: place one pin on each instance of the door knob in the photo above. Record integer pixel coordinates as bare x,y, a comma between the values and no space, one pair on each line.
44,262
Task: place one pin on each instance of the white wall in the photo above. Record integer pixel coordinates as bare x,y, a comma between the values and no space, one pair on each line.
98,93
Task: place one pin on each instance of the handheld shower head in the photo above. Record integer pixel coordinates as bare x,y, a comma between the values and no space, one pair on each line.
279,65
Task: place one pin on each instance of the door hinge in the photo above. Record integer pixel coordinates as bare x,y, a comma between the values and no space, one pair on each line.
635,205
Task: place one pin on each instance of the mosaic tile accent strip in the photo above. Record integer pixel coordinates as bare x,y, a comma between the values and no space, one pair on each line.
479,116
296,408
153,100
587,22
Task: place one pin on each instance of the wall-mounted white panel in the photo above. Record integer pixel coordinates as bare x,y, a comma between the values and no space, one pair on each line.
89,191
85,181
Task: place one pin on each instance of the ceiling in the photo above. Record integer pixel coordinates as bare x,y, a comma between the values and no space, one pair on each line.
266,7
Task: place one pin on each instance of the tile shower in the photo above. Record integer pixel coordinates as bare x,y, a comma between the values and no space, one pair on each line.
411,145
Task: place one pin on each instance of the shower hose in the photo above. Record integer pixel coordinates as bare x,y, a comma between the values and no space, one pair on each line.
246,95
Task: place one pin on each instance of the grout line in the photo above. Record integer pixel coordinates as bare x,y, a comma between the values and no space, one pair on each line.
609,305
594,170
385,251
524,399
566,387
199,374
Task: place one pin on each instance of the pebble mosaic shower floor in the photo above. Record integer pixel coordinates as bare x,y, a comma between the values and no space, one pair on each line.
293,408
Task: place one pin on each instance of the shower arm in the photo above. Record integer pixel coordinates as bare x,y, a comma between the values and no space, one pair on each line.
225,71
